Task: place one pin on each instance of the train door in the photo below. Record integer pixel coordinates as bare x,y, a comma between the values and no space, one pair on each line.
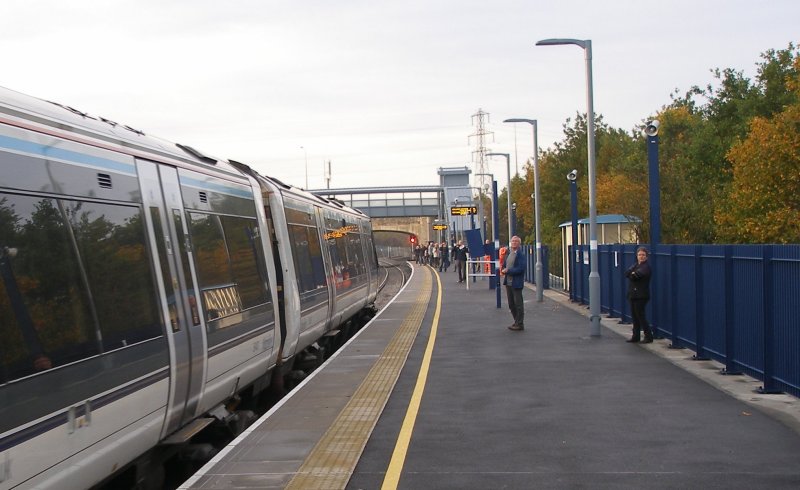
185,331
328,265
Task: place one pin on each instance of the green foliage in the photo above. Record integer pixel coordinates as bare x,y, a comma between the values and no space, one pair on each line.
728,163
764,202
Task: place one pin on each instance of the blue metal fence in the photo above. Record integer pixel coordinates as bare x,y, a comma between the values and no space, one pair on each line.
530,272
737,304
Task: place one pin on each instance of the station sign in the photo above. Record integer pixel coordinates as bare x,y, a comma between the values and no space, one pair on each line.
439,227
463,210
340,232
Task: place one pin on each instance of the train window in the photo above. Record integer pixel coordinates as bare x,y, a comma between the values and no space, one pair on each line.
346,250
317,263
76,282
302,258
307,256
371,257
306,248
246,256
230,274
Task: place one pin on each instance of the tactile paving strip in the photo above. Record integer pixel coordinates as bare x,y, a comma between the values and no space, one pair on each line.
335,456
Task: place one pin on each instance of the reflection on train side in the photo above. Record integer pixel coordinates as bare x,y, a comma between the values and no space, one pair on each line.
222,302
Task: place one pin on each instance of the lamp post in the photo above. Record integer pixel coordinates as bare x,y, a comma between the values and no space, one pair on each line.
538,270
513,218
494,282
651,133
594,275
508,171
305,152
572,177
494,204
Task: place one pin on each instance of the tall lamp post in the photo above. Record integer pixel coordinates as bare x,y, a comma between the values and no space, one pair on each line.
508,194
494,204
594,275
494,282
651,132
305,152
572,177
513,218
538,270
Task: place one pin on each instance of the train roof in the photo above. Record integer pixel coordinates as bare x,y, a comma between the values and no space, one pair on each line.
67,118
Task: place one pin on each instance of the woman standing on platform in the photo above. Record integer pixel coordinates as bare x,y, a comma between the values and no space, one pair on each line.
444,256
639,294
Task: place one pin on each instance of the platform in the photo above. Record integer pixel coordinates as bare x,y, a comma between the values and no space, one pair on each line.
548,407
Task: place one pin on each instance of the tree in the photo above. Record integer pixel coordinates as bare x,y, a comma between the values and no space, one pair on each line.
764,202
695,159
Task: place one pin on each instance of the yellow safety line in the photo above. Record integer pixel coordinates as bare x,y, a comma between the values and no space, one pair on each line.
332,461
392,478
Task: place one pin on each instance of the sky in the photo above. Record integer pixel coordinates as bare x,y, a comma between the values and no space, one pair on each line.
384,90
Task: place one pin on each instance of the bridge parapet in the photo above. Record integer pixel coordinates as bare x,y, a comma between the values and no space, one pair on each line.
420,226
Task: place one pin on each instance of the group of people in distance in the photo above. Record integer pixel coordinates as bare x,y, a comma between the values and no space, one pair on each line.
513,267
436,255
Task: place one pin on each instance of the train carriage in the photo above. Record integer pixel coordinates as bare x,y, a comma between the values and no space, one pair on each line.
140,292
334,275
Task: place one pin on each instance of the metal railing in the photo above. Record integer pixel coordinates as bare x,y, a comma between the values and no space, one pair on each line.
737,304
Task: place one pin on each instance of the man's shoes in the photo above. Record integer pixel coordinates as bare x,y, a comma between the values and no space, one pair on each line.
647,341
516,327
633,341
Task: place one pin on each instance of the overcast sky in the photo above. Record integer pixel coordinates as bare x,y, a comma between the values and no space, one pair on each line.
385,90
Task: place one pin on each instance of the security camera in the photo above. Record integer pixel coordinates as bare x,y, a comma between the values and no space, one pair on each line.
651,129
573,176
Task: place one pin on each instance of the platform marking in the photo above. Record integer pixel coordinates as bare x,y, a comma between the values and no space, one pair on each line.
392,478
332,461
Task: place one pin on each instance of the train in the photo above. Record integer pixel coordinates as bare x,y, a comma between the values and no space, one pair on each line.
147,289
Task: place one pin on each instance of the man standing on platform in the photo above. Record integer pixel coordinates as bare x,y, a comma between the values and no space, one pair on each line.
460,256
514,280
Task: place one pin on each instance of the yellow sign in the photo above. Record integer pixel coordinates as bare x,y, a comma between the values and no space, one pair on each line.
439,227
463,210
340,232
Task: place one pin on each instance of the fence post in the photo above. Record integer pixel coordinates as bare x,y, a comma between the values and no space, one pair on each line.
532,265
730,345
571,271
579,276
657,302
611,258
769,324
673,264
699,327
623,281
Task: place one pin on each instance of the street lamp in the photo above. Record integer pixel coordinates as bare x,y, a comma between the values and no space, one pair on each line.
494,282
538,270
494,204
508,171
572,177
514,218
651,133
594,275
305,152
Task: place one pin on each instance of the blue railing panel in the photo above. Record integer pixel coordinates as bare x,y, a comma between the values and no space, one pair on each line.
748,308
714,299
662,281
786,326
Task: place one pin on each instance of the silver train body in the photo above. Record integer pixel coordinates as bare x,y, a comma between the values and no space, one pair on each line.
145,286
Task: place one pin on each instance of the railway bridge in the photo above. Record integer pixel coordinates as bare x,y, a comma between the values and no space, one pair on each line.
424,211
